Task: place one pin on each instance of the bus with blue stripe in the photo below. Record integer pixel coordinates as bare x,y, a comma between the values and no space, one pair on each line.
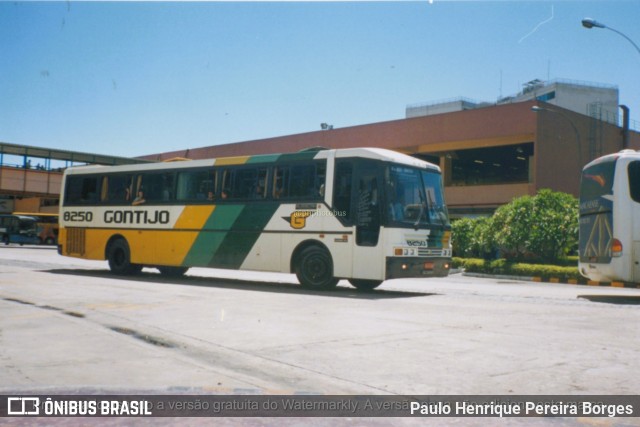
362,214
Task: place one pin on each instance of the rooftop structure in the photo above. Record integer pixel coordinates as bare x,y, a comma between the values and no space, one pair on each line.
596,100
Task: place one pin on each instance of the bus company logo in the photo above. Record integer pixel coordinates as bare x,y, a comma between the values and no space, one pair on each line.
23,406
136,217
298,219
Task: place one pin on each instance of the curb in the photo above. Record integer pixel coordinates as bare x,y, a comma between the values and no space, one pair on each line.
553,280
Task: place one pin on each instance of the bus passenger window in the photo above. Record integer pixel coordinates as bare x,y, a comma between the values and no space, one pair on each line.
119,189
261,185
198,185
82,190
634,180
158,187
281,183
104,192
277,188
139,198
299,181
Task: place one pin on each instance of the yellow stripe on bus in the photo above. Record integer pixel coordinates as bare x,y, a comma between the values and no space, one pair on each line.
194,217
162,247
191,218
240,160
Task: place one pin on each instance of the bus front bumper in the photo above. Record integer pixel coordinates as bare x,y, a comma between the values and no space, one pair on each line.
399,267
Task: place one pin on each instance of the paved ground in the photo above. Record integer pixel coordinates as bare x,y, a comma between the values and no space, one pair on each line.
67,325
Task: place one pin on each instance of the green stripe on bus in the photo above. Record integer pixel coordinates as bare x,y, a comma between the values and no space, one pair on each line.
243,235
263,158
207,243
306,155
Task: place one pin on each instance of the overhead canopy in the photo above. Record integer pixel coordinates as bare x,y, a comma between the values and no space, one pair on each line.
72,156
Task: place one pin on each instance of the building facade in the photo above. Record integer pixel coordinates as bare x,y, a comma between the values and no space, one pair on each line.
487,155
31,177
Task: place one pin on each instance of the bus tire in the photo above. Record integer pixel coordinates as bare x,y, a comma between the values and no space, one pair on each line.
314,269
5,239
173,271
119,257
365,285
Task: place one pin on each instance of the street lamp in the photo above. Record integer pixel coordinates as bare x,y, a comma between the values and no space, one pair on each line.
538,109
590,23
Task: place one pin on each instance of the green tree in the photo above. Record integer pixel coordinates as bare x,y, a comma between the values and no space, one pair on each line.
544,226
555,225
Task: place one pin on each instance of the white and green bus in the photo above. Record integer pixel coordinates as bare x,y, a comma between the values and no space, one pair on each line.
361,214
610,218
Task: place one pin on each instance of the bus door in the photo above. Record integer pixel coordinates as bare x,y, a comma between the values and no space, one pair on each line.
366,207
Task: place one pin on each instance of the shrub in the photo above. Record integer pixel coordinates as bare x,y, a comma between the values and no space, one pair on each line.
462,231
504,267
543,227
472,238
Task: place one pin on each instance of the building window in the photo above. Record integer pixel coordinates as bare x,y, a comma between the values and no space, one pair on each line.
547,96
493,165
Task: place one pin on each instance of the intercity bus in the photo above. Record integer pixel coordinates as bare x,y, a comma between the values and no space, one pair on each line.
610,218
18,229
361,214
47,224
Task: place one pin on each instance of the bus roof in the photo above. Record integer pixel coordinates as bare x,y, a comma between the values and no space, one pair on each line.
370,153
35,214
23,217
613,156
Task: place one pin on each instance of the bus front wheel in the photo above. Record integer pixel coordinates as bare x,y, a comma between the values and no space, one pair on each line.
119,257
314,269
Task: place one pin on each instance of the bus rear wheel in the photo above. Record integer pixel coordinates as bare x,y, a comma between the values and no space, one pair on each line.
119,257
365,285
173,271
314,269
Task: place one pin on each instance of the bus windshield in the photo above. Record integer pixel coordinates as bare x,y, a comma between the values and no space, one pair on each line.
415,197
597,181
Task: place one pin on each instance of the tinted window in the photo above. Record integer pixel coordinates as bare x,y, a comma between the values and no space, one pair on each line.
198,185
634,181
119,189
82,190
597,181
157,187
302,181
247,184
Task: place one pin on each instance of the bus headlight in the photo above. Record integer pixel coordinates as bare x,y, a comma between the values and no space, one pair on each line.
405,252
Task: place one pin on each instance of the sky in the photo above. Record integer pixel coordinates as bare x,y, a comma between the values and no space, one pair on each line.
136,78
